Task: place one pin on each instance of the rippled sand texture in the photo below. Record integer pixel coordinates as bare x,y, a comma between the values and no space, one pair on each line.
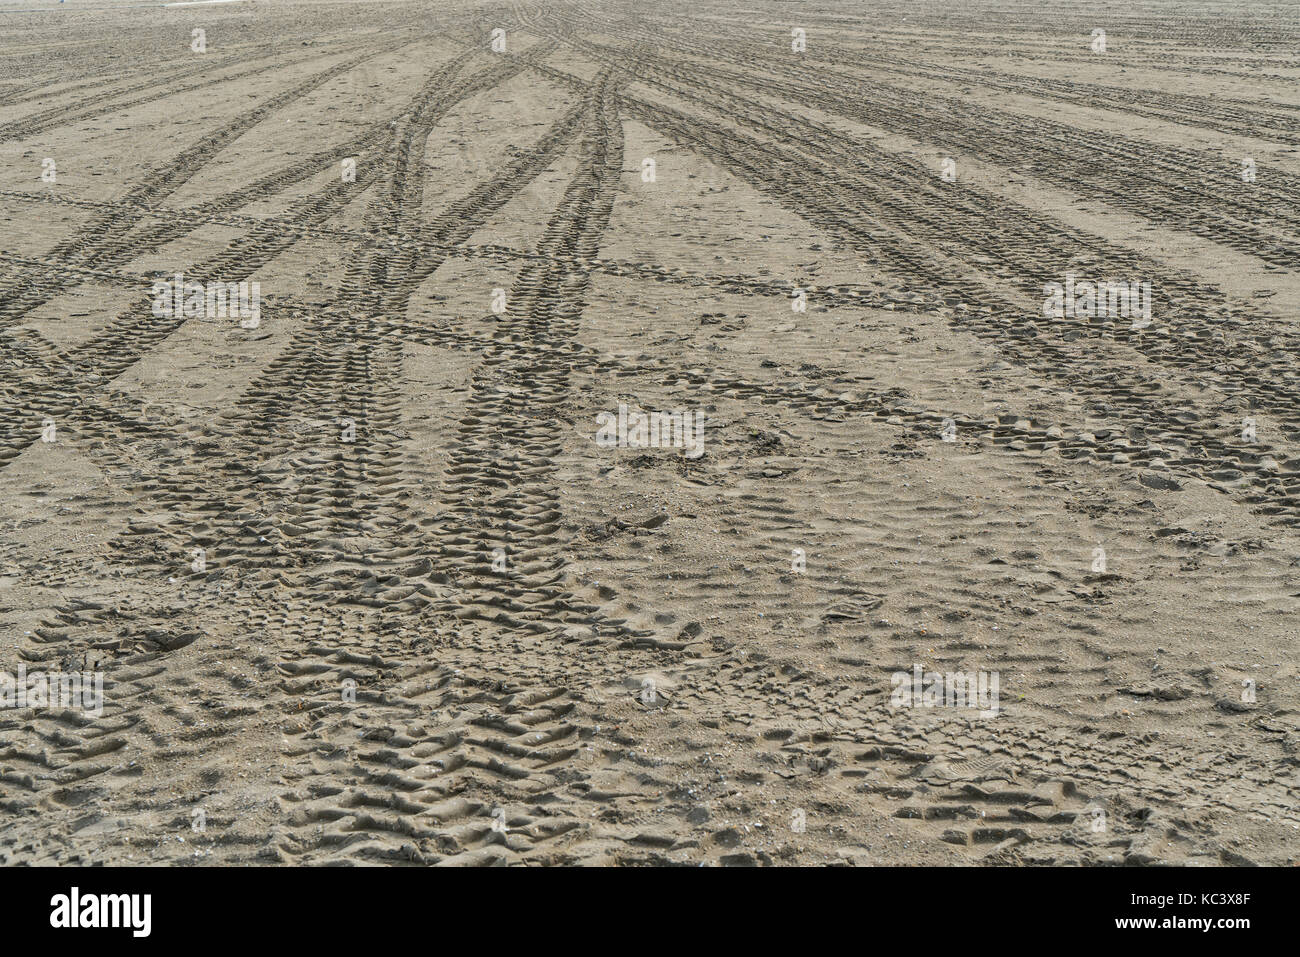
562,652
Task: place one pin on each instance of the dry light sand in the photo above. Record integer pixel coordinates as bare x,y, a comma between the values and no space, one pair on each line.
363,586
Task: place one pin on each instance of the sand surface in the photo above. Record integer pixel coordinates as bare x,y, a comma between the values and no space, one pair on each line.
437,622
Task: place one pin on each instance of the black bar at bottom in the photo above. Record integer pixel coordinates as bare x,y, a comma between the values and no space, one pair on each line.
374,907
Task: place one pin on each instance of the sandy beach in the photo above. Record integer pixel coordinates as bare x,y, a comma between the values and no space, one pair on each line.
600,432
